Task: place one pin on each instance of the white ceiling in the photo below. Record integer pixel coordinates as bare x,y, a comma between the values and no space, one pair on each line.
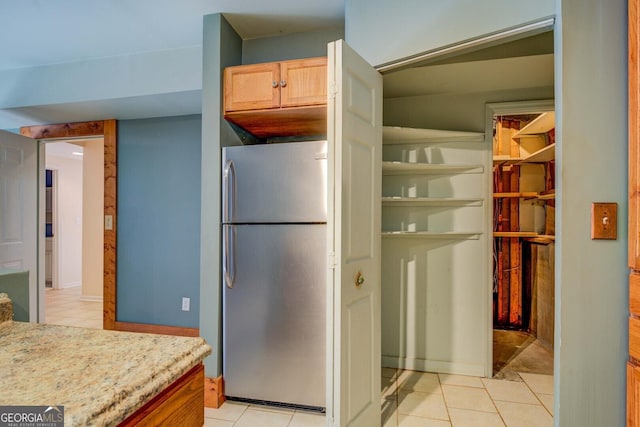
41,32
63,149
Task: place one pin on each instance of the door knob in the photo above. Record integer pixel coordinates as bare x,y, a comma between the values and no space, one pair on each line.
359,279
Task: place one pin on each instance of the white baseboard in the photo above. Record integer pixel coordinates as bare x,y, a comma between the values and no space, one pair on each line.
90,298
70,285
441,367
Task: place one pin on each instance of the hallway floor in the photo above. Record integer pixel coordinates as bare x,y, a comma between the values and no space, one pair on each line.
64,307
515,352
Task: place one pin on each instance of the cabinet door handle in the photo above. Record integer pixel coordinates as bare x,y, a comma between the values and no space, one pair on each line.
274,84
283,83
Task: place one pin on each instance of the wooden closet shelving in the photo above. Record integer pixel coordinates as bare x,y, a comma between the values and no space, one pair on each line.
524,199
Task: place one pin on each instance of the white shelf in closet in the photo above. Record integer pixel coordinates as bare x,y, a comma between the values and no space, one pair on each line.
451,142
401,135
404,168
429,201
449,235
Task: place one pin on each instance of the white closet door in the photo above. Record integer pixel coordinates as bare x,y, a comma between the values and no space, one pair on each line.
355,159
19,209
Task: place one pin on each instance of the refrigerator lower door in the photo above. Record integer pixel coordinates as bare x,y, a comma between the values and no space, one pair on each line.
274,313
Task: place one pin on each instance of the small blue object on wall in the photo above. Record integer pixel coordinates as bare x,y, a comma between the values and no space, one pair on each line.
48,178
49,230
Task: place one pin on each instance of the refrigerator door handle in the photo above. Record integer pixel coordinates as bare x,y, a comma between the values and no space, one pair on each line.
229,264
229,188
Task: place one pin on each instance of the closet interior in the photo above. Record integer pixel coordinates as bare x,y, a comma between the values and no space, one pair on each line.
468,206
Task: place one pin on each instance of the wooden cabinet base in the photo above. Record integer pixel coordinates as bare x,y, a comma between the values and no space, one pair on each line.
213,392
295,121
180,404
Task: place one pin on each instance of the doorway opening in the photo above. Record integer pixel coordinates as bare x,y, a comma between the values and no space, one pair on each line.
73,227
105,129
51,214
523,224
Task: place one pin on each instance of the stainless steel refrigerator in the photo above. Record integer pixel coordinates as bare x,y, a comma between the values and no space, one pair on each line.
274,269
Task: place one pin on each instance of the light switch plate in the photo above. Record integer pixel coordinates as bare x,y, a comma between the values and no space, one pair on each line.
604,221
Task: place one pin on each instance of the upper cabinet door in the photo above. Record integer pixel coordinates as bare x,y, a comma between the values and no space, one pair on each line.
252,87
303,82
354,127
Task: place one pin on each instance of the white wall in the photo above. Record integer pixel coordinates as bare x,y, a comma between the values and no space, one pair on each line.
384,31
68,233
92,212
460,111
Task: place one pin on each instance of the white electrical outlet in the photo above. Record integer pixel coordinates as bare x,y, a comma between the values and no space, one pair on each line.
186,303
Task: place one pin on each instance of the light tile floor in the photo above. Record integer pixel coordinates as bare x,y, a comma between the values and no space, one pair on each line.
236,414
411,399
64,307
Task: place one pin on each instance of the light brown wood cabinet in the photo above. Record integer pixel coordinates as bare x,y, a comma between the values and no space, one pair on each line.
278,99
633,393
633,365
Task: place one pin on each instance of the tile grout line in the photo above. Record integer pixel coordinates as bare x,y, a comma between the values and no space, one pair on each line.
444,399
504,422
537,397
519,403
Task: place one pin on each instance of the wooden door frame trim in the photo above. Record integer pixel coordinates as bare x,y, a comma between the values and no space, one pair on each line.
108,130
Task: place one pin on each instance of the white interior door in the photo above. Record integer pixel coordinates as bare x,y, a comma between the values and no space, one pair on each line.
19,209
355,162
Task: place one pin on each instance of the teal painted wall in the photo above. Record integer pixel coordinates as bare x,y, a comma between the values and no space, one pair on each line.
591,275
221,47
292,46
158,220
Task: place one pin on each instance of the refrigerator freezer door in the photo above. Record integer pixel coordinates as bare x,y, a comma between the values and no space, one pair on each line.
274,314
275,183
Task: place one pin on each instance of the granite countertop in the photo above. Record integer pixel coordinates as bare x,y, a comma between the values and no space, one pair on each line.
100,377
